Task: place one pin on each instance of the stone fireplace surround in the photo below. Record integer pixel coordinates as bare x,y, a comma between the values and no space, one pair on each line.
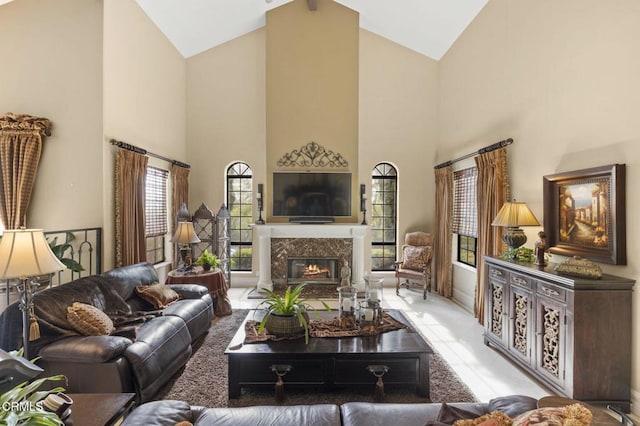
278,240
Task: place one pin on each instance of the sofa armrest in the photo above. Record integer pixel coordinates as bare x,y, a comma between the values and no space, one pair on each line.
189,291
85,349
160,413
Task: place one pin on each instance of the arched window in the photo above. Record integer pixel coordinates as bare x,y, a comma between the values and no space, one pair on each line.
384,192
240,205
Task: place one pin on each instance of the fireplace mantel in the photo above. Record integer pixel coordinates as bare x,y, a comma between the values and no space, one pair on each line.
264,234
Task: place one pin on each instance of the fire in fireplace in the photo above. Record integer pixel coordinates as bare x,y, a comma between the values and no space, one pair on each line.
312,270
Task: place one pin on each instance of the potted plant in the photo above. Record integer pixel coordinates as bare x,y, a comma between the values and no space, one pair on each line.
59,251
208,260
287,315
29,402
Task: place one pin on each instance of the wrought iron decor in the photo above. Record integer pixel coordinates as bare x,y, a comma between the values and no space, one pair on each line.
312,154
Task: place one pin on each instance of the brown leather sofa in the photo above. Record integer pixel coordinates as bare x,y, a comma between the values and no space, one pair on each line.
140,356
170,412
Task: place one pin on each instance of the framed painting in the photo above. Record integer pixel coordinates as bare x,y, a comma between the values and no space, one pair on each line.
584,213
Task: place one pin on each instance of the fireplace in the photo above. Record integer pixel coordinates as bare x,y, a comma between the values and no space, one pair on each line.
313,270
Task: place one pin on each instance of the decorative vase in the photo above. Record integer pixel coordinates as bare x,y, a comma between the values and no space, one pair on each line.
286,325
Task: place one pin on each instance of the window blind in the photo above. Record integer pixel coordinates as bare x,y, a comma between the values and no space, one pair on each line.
156,202
465,213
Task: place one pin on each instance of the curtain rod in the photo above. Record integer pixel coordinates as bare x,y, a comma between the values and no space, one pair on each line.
489,148
142,151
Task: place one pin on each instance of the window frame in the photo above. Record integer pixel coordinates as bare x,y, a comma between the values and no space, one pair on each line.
241,171
155,238
465,249
384,172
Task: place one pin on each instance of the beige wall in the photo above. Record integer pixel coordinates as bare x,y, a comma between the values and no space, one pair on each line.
398,124
561,79
226,116
312,85
144,96
47,70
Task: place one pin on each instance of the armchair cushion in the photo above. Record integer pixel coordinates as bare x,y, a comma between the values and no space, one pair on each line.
415,257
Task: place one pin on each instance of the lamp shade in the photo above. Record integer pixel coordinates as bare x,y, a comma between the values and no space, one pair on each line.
26,253
514,214
185,234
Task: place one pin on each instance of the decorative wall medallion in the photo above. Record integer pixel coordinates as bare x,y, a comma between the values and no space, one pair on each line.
312,154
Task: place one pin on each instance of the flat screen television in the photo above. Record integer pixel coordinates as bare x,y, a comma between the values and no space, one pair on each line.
311,194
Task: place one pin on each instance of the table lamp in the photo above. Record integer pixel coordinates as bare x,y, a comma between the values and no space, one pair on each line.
512,215
185,235
24,254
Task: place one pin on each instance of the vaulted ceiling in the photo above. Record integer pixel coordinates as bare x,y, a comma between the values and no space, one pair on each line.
428,27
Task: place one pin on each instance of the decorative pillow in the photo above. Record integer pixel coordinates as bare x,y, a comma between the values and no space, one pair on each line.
415,258
159,295
570,415
495,418
89,320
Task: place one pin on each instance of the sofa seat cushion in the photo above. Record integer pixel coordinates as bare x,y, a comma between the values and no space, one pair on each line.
412,414
160,413
197,313
317,414
162,347
86,350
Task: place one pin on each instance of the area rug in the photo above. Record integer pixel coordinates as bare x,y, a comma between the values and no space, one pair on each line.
203,381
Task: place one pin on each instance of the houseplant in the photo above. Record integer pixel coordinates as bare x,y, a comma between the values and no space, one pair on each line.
208,260
24,403
59,250
287,315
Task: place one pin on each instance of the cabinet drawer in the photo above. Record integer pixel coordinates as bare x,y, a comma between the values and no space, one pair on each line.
259,371
355,371
497,273
552,291
519,280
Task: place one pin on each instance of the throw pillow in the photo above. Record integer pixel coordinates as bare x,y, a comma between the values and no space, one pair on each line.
415,258
89,320
495,418
570,415
159,295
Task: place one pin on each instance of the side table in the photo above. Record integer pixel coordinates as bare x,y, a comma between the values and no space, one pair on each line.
100,409
215,282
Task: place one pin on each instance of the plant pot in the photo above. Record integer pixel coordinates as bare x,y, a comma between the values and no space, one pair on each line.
285,325
206,266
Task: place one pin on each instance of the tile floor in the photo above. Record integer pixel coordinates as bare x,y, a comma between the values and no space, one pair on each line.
456,335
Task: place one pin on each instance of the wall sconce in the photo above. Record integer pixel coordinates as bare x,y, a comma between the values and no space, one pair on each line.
185,235
512,215
363,203
260,198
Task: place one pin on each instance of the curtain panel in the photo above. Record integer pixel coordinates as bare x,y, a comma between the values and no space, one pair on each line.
493,191
444,207
131,171
180,181
20,149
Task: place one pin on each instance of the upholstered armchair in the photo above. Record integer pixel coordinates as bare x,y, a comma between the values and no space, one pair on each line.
415,264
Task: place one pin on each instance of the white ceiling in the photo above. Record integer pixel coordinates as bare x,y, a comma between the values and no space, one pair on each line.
429,27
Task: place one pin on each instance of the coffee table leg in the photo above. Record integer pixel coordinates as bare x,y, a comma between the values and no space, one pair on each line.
234,371
423,376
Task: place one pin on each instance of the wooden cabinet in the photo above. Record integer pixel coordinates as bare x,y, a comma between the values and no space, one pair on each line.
573,334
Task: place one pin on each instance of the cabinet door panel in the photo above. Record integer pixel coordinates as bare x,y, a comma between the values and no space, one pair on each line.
497,311
550,339
521,323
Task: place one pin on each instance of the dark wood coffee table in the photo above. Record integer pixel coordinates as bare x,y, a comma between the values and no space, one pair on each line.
331,363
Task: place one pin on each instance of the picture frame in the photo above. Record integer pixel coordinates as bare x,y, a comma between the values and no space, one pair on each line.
584,213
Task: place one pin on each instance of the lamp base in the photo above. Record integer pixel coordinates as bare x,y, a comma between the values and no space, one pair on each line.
514,237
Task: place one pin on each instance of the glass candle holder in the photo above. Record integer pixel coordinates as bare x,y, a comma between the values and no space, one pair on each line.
373,289
367,317
347,306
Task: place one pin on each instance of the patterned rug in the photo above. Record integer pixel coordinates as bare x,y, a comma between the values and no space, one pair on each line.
203,380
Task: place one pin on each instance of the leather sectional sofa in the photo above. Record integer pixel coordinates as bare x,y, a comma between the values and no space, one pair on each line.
147,348
172,412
